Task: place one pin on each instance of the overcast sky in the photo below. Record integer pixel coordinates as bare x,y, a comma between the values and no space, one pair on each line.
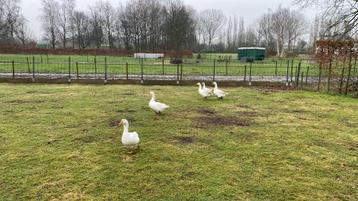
249,10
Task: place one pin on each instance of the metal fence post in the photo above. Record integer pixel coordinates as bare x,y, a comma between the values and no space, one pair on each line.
142,70
319,77
307,74
69,69
214,70
28,65
250,76
298,74
95,66
287,72
245,72
329,76
77,71
33,68
127,77
302,75
226,66
13,69
105,71
181,72
291,78
163,71
349,72
177,73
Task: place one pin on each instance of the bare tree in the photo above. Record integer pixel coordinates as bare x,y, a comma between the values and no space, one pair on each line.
212,21
49,19
65,15
9,19
241,34
82,27
264,30
279,29
340,14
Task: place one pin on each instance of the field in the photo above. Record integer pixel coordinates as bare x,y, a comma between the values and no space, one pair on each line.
118,65
61,142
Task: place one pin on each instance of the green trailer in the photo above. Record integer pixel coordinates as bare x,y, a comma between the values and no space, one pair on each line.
248,54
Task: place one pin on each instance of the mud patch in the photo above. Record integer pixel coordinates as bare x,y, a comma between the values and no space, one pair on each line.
184,140
114,123
210,121
273,88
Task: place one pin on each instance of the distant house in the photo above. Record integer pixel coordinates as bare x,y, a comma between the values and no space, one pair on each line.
248,54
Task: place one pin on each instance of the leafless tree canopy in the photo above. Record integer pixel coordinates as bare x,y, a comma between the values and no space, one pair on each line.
13,30
211,22
340,16
156,25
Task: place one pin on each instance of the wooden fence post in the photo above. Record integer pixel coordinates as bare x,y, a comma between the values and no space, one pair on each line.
276,70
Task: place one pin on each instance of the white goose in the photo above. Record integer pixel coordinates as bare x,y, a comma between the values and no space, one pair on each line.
157,107
204,93
219,93
207,89
128,138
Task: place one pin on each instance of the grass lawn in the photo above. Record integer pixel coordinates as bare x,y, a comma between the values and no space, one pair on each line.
117,65
60,142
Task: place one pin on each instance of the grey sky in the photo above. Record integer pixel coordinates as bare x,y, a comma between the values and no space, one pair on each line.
249,10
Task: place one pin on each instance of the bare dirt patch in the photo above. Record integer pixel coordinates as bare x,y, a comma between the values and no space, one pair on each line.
204,122
210,118
114,123
273,88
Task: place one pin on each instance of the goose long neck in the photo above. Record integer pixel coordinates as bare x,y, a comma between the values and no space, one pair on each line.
153,97
216,86
126,128
200,87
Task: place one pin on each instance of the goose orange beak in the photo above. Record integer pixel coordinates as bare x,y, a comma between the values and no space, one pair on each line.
120,124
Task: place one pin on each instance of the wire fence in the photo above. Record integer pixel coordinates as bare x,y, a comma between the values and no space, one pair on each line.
304,74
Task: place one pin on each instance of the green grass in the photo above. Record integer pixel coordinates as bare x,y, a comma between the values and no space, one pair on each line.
58,142
117,65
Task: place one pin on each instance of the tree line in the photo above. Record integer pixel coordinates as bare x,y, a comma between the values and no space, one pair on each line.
157,25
